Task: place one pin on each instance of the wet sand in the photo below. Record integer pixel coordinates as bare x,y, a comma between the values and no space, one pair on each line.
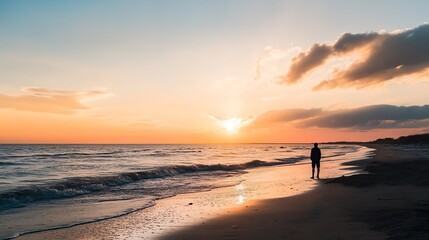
389,202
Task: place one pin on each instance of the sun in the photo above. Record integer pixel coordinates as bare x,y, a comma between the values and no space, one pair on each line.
232,125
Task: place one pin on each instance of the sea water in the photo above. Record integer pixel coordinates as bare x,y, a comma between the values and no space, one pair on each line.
52,186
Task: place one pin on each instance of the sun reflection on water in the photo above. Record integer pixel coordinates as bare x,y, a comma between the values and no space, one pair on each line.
240,187
240,198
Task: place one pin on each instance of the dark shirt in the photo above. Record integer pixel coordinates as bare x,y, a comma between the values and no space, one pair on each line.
315,154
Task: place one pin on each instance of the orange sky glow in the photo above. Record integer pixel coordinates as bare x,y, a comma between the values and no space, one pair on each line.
147,72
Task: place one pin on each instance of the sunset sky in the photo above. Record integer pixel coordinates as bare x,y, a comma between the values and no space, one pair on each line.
212,71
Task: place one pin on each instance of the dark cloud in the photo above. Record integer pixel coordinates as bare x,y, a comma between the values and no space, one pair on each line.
349,42
305,62
47,100
368,117
383,56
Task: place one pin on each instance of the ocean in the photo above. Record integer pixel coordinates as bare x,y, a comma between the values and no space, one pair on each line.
53,186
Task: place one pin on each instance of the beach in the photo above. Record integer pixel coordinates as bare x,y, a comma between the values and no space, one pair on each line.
389,202
159,188
284,203
169,120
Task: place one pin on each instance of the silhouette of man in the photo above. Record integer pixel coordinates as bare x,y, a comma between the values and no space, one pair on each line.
315,157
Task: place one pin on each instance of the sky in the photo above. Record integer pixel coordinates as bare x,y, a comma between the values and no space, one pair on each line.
212,71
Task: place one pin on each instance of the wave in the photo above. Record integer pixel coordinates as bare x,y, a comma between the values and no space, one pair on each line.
73,187
64,155
187,151
9,163
97,154
158,154
141,150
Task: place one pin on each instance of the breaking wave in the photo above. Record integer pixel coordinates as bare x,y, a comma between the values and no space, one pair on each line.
84,185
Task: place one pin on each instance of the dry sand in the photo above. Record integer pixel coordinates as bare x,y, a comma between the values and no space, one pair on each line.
391,202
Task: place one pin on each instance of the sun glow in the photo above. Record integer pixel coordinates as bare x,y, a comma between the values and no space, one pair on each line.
232,125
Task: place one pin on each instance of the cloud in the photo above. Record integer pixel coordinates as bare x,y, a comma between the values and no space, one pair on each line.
275,117
305,62
382,57
48,100
364,118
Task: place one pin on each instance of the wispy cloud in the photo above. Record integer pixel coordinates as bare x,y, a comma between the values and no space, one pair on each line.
382,57
284,116
271,63
49,100
367,117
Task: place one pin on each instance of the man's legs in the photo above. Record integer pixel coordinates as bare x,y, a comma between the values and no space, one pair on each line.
318,169
312,168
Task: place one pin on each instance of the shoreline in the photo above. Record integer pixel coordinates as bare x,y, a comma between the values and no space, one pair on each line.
373,204
188,203
382,204
186,210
